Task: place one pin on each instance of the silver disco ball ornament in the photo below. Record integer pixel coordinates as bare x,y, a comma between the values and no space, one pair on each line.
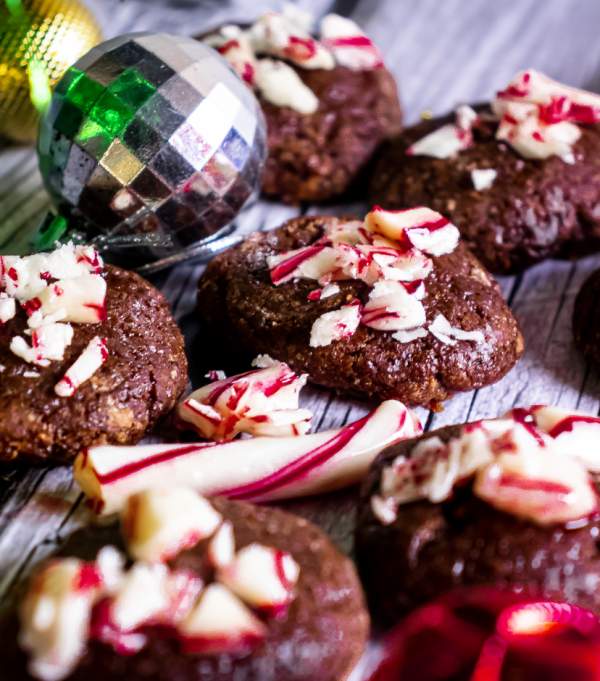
151,146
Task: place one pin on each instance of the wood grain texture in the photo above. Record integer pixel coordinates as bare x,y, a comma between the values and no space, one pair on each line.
442,53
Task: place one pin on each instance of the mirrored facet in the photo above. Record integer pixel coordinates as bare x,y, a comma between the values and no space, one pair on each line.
152,138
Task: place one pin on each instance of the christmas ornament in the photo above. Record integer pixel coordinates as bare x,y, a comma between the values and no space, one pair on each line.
39,40
152,144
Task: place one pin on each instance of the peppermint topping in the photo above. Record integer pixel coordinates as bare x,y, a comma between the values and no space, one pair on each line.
55,290
483,178
55,617
281,36
533,463
392,308
8,308
71,602
390,252
445,332
286,37
538,117
450,139
348,44
335,325
84,367
281,85
259,402
160,523
48,342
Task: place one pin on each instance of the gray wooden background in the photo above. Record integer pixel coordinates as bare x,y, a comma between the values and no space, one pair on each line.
442,52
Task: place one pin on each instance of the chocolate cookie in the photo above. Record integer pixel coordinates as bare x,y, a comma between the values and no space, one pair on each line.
245,314
317,157
519,178
534,209
320,635
328,102
424,548
144,373
586,321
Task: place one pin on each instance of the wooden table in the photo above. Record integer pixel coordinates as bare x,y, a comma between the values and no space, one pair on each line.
443,52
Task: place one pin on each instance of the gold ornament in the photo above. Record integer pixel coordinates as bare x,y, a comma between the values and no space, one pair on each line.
39,40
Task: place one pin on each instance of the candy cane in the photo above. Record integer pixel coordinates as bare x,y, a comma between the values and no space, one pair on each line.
260,469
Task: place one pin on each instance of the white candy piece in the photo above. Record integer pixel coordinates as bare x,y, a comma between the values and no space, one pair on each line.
329,290
55,618
8,308
221,548
262,577
141,597
349,45
312,262
544,486
84,367
392,308
531,139
81,300
422,227
259,402
48,342
110,564
148,595
574,432
409,335
159,523
25,277
450,335
276,35
220,622
483,178
444,142
409,266
448,140
334,326
259,469
279,84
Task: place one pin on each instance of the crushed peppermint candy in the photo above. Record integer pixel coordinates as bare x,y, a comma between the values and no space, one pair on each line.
326,292
390,251
537,116
348,44
55,290
8,308
533,463
540,117
263,401
448,140
48,343
281,85
335,325
260,53
85,366
71,602
483,178
445,332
